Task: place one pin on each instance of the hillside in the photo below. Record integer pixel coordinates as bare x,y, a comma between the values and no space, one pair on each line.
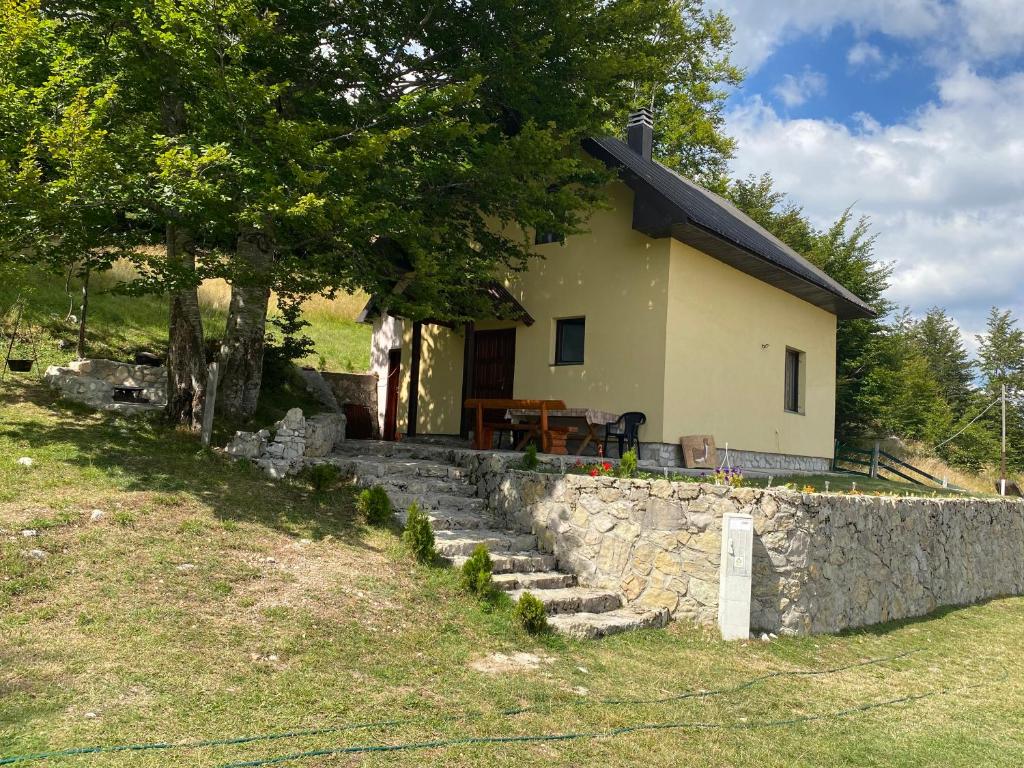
206,602
119,325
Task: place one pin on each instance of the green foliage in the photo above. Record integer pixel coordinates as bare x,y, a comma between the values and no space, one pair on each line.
476,572
938,339
374,504
321,477
530,461
418,535
530,614
627,463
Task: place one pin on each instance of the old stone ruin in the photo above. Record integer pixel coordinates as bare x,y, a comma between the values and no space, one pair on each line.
282,449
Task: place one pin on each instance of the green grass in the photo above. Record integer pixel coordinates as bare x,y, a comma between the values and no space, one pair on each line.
120,325
210,602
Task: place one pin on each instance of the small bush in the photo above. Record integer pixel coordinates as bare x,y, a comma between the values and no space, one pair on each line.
374,504
476,572
627,464
530,457
418,535
530,614
321,476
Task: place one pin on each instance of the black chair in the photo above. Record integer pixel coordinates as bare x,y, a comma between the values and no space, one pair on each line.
626,430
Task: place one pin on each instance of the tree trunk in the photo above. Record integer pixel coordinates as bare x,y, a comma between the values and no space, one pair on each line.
241,353
80,351
186,353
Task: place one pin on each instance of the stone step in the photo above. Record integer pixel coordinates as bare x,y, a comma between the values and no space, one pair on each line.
440,501
385,467
434,485
588,626
462,542
515,562
533,581
573,599
441,520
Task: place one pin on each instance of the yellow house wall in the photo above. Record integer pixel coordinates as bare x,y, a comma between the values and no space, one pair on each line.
440,386
617,279
725,360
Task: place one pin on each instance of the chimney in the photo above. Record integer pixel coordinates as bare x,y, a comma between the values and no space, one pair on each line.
640,132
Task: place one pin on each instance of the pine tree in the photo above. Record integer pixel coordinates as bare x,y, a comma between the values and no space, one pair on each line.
942,345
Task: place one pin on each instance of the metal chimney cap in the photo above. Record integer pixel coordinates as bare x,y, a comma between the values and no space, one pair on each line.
642,116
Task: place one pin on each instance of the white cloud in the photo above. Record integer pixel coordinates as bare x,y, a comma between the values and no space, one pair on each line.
944,190
864,54
948,31
762,26
795,90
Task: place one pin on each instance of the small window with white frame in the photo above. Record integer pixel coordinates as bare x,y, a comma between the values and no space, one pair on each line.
794,381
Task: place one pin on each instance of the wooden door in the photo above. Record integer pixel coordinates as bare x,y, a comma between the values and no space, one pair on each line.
494,363
391,404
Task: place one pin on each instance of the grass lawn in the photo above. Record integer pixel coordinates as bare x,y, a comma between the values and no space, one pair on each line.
119,325
210,603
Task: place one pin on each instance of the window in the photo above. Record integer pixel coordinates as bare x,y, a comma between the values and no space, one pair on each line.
794,383
569,335
543,238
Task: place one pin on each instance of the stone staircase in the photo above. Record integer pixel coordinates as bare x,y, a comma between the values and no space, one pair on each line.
426,474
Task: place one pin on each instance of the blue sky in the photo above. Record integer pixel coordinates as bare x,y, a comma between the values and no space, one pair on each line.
912,111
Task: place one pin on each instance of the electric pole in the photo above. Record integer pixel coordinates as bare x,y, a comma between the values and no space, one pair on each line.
1002,460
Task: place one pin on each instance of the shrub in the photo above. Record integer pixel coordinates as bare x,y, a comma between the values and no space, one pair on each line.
627,464
476,572
320,476
530,458
374,504
530,614
418,535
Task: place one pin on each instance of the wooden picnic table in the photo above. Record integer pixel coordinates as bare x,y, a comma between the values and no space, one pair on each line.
552,439
587,420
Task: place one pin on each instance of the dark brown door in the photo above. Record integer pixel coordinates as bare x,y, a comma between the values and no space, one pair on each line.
494,363
391,404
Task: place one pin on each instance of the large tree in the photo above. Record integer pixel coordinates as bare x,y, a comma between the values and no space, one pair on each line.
939,340
322,143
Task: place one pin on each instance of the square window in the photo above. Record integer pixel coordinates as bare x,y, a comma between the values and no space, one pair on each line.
794,374
569,335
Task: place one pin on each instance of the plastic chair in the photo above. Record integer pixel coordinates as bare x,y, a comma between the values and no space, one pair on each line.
626,430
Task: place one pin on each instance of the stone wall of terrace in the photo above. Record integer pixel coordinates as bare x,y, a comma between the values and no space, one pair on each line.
822,563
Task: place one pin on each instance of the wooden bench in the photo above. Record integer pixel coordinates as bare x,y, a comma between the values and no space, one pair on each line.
552,439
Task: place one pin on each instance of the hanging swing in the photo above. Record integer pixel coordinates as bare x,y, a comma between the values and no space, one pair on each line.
19,364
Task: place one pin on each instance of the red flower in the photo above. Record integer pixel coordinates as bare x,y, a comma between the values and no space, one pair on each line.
607,467
593,472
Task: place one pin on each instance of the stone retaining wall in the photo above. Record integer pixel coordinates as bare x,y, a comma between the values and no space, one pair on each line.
92,382
822,563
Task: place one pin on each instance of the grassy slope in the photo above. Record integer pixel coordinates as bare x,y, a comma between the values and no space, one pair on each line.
120,325
297,616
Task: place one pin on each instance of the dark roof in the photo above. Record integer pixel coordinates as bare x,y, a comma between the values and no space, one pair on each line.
668,205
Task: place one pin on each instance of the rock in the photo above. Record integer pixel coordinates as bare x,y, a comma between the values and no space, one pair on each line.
29,532
186,567
96,515
90,715
36,554
764,637
25,461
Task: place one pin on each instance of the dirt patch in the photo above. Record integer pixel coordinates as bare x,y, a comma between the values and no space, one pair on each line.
500,663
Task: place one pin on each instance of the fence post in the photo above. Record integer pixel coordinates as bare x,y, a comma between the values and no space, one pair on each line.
875,450
209,403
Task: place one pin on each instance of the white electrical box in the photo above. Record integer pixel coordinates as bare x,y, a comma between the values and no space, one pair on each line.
735,576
